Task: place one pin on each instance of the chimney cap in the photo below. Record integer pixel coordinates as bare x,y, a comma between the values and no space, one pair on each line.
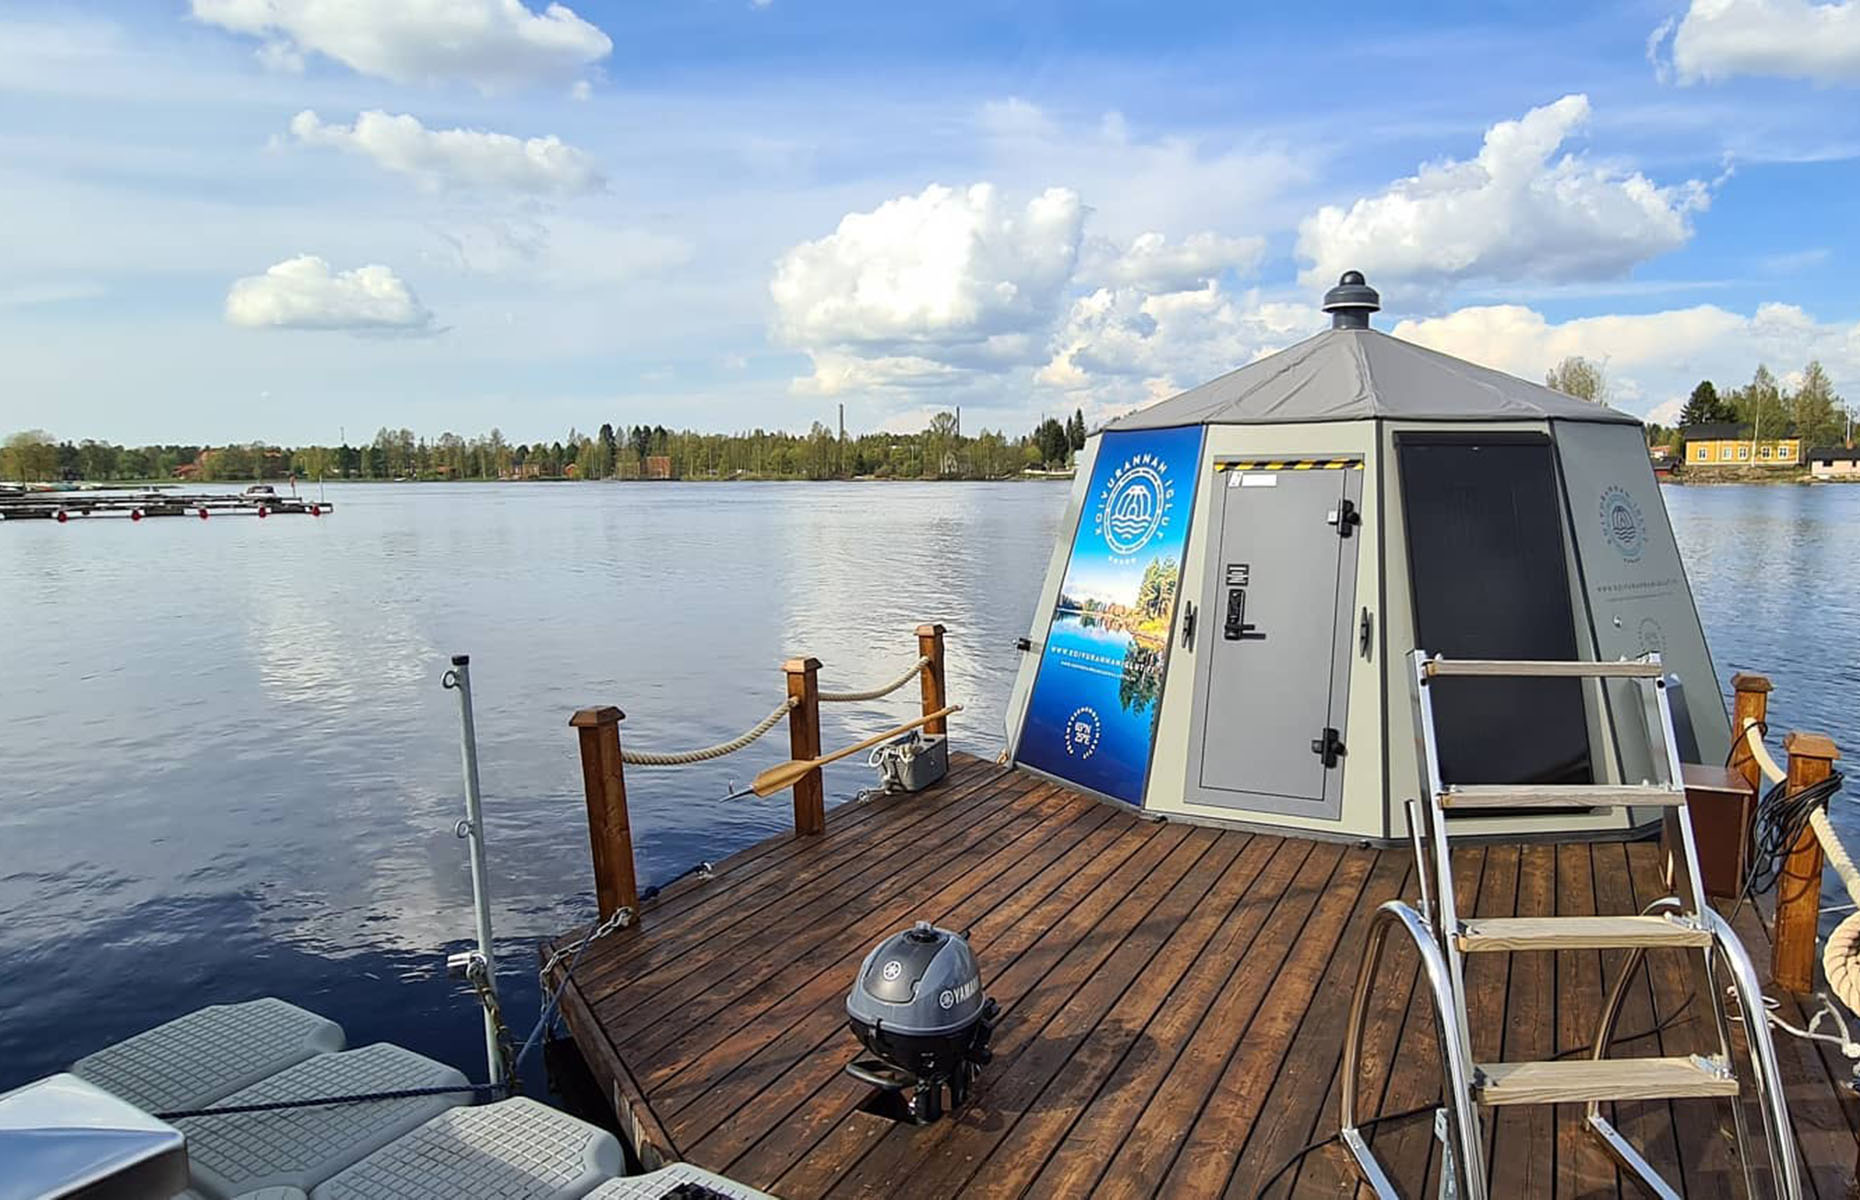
1351,301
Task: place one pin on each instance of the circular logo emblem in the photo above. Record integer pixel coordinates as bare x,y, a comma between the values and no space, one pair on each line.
1135,505
1083,731
1652,637
946,998
1623,524
893,969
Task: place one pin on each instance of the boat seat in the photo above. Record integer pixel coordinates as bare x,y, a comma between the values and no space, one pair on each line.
515,1149
194,1060
301,1147
666,1180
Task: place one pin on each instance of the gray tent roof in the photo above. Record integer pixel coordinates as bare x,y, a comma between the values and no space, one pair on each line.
1360,375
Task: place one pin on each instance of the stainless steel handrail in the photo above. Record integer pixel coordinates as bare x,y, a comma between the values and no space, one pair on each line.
1468,1157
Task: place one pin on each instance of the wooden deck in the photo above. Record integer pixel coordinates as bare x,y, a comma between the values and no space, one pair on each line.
1174,1000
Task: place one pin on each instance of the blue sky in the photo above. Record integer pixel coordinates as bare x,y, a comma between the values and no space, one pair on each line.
274,219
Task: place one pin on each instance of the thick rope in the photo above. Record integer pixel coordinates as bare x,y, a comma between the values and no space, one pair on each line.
643,758
875,693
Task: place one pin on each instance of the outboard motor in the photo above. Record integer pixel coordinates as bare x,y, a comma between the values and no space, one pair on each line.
917,1006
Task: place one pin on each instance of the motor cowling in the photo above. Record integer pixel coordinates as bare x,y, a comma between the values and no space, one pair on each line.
917,1005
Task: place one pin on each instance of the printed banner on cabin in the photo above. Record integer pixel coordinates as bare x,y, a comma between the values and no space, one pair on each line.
1092,717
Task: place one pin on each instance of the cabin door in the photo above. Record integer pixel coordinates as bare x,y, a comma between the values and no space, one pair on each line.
1275,638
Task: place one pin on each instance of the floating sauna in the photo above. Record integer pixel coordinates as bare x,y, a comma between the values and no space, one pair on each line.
1225,630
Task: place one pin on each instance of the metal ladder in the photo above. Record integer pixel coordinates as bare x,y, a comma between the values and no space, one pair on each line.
1443,938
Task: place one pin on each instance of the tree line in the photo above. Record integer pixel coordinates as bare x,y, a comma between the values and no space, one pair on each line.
939,451
1811,410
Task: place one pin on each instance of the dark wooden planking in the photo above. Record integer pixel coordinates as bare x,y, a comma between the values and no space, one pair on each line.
802,994
1077,1082
1004,924
1004,917
1139,1166
1068,919
1074,1167
1294,1109
1583,1168
689,911
1646,1124
738,869
716,994
715,926
1181,996
1088,1033
1037,988
1686,1027
1524,1139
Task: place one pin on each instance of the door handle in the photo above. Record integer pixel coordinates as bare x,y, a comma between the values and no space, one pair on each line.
1188,624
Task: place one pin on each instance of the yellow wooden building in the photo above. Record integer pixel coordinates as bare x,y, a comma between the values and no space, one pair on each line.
1727,445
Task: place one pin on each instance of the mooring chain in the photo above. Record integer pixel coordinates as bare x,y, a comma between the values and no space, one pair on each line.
647,758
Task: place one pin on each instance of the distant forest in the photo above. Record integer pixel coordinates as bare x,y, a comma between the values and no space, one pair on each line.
939,451
1811,410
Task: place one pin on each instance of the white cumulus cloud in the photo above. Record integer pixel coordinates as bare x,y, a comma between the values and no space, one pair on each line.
1154,263
1791,39
930,286
1651,358
490,44
1122,346
1516,211
460,157
303,293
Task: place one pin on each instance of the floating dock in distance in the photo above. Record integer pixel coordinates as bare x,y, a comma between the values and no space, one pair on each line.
1174,999
136,505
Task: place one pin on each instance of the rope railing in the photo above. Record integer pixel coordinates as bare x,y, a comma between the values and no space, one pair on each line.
604,760
882,690
684,758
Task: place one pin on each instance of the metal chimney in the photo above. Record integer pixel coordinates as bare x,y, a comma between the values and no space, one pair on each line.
1351,301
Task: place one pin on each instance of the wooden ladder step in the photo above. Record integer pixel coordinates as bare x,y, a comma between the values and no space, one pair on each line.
1510,668
1577,1081
1535,795
1488,934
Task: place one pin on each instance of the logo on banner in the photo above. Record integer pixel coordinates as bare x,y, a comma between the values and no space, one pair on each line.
1135,505
1623,524
1083,732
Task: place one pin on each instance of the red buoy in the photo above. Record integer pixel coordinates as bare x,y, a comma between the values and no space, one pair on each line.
62,516
203,513
316,511
135,514
263,511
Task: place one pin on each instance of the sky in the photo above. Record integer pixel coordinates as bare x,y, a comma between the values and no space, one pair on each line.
293,220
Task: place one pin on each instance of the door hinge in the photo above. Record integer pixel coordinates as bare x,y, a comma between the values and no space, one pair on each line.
1328,746
1344,517
1365,633
1188,624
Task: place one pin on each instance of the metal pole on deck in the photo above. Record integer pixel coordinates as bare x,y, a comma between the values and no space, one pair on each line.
472,829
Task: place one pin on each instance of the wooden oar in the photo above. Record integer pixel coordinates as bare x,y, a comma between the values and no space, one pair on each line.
786,775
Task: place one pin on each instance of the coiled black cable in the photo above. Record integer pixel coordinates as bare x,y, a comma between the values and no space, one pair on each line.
1781,818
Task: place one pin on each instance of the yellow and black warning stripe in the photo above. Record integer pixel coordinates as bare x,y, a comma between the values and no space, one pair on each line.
1293,464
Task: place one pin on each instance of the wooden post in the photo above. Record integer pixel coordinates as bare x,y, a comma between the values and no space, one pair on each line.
930,646
810,793
610,835
1798,886
1751,701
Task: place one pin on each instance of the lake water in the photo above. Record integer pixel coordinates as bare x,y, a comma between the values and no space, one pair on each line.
227,766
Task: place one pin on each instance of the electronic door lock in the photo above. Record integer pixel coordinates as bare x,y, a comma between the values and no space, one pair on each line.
1235,626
